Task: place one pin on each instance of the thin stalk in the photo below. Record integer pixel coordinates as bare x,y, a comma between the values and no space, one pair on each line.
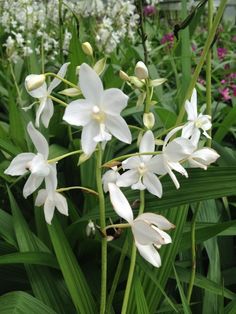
62,79
60,29
122,226
208,69
64,104
76,187
142,31
117,276
202,59
15,82
193,241
132,261
64,156
102,225
42,55
112,161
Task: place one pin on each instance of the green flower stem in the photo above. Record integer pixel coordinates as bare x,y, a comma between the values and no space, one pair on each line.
112,161
64,104
15,82
193,240
77,188
64,156
121,226
132,261
149,93
102,225
208,69
202,59
63,80
117,275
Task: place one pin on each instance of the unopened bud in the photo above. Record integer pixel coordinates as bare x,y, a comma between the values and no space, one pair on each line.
124,76
87,49
136,82
149,120
34,81
141,70
90,229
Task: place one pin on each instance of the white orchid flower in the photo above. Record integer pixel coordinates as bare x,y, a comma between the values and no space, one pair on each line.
195,121
202,158
50,198
172,153
45,109
98,113
35,163
110,176
147,228
142,169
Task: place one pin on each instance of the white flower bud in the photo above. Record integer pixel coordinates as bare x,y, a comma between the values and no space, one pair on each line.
124,76
90,229
34,81
87,48
149,120
141,70
136,82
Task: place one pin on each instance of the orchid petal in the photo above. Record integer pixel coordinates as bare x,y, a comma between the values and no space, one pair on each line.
40,110
90,84
131,163
41,197
18,165
111,176
165,236
149,253
49,208
87,138
78,112
195,137
138,186
173,178
61,203
147,144
160,221
56,81
38,140
171,133
152,184
51,179
144,233
113,101
118,128
188,130
177,167
178,149
128,178
120,203
32,184
47,112
158,164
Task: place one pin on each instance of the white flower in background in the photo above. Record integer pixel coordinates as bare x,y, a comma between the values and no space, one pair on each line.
98,113
195,121
45,109
142,169
172,154
110,176
35,163
147,228
202,158
50,198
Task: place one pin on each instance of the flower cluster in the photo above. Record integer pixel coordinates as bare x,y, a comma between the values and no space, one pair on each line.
114,21
21,19
99,115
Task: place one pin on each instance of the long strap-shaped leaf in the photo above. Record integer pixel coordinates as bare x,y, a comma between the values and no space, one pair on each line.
41,280
22,302
74,277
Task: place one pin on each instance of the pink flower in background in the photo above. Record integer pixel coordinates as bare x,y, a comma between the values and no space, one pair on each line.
234,89
225,93
168,38
234,38
221,52
149,10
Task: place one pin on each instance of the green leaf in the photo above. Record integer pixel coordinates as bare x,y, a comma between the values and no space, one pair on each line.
36,258
42,282
74,278
21,302
225,125
6,228
185,304
142,307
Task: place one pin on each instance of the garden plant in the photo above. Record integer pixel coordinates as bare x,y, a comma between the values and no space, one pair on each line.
117,157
